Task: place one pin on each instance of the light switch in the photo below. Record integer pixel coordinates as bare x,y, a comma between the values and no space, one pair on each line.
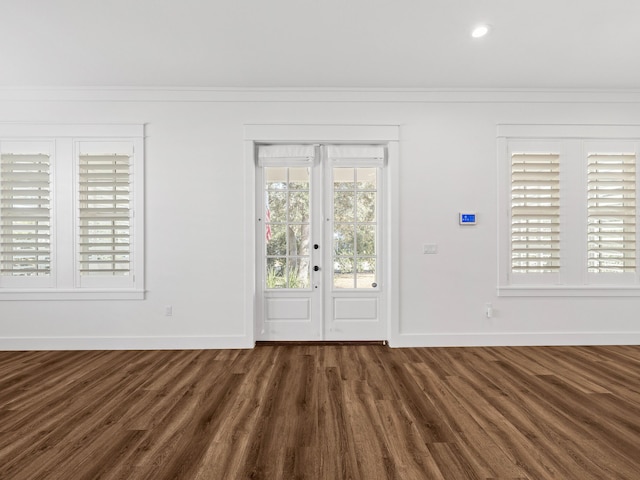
430,248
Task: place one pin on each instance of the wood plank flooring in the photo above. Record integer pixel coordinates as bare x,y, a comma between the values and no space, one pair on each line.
328,412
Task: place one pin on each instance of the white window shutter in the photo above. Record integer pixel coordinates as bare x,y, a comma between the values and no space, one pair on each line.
25,216
105,211
535,213
611,213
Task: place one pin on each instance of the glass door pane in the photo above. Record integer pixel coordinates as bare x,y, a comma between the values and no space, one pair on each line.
287,227
355,227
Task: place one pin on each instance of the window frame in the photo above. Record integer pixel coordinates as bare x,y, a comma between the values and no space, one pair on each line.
65,280
573,143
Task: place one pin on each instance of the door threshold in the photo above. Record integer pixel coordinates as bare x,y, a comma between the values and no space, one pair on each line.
273,343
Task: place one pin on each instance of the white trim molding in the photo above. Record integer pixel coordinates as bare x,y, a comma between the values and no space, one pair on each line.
126,343
568,131
515,339
380,95
323,133
568,291
67,192
568,218
70,294
57,130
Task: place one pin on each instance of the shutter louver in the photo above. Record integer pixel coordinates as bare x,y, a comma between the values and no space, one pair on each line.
25,215
105,215
535,213
611,213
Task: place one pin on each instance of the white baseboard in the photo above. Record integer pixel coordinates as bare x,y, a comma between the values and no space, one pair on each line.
244,342
125,343
514,339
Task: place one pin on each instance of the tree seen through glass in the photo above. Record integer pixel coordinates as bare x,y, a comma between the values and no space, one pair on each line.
287,227
355,227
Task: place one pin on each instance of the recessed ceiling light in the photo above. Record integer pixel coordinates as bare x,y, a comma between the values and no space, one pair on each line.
480,31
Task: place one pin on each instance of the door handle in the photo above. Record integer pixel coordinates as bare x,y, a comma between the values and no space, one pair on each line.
316,268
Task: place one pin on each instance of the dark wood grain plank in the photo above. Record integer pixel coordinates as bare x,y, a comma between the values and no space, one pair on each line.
322,411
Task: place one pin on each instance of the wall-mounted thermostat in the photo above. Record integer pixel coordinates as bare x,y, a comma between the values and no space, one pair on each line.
467,218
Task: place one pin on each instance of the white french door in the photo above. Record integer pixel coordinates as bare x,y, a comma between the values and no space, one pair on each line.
319,237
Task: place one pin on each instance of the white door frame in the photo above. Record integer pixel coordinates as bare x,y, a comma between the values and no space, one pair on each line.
356,134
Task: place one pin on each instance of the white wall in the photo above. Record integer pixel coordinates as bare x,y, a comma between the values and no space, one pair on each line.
195,195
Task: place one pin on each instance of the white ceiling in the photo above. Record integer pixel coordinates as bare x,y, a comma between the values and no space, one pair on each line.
582,44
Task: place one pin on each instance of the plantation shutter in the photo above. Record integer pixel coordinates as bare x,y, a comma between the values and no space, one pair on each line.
25,215
611,213
535,213
105,215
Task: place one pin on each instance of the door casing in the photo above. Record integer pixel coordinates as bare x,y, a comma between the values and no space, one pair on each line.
306,133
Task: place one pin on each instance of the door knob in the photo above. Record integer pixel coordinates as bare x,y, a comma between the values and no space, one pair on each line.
316,268
316,246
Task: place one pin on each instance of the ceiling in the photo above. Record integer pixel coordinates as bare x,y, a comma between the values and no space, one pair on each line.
425,44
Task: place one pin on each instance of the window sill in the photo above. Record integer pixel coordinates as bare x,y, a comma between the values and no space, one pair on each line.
74,294
568,291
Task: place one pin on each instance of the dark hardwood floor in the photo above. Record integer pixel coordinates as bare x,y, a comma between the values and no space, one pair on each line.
322,412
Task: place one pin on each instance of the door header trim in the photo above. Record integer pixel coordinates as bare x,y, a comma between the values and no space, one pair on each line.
321,133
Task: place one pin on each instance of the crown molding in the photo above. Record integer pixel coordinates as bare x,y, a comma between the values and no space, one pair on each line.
380,95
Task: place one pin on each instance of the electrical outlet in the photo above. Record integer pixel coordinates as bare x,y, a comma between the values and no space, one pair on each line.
168,311
489,310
